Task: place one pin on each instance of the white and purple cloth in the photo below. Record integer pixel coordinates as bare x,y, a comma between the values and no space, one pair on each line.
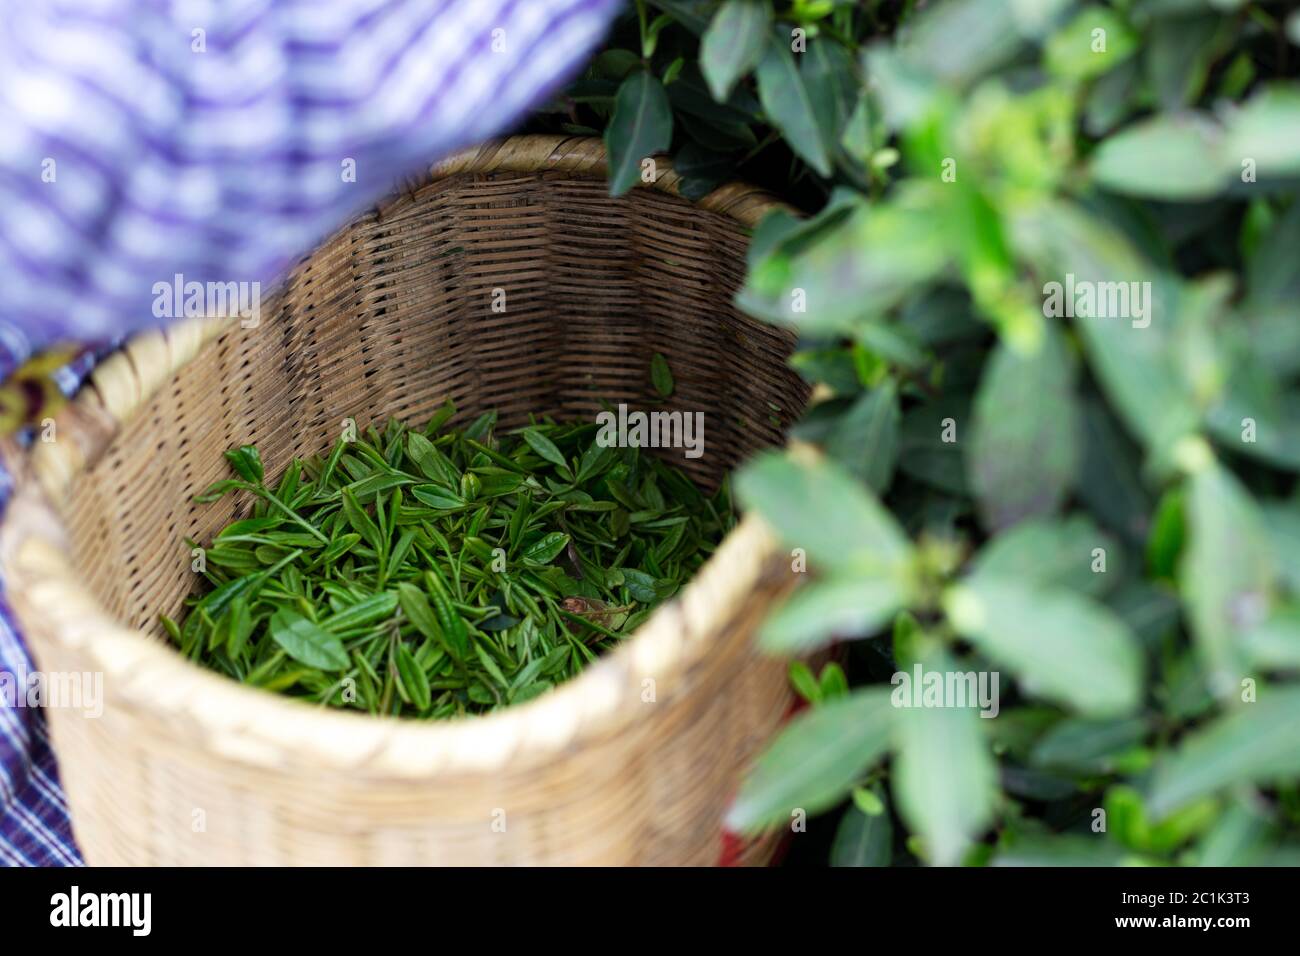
219,140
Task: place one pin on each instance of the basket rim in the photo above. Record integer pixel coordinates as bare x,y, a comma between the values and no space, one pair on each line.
254,727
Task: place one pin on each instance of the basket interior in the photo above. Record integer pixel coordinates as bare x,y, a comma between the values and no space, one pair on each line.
395,313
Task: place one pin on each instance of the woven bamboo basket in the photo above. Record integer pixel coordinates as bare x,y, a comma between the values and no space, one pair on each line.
634,761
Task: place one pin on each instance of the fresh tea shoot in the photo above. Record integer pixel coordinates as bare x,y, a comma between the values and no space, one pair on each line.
439,572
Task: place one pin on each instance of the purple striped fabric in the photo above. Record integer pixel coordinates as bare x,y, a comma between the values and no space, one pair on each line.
34,828
219,140
145,139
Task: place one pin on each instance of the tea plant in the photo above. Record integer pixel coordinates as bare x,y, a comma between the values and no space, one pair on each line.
441,571
1048,296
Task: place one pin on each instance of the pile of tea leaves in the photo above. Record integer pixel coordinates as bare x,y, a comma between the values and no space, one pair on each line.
438,572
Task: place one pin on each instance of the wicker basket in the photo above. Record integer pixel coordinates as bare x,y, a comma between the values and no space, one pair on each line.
633,762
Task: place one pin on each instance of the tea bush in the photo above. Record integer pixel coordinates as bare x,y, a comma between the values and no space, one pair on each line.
1048,293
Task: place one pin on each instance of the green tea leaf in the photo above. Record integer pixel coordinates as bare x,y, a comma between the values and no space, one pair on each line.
641,126
432,463
414,682
546,549
1168,535
1047,552
415,605
923,451
1062,851
1174,158
789,107
1134,360
733,44
640,585
1178,55
437,497
1110,482
1255,743
377,607
820,508
832,610
834,682
865,439
1060,645
249,526
246,463
307,642
1267,130
860,262
815,760
944,778
1236,837
1072,52
862,839
1275,643
451,625
545,447
238,625
1227,574
829,75
963,39
661,376
361,522
1024,448
1087,745
804,683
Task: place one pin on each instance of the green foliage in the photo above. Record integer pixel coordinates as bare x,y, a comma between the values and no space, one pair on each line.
447,571
864,837
1047,288
661,376
642,125
734,44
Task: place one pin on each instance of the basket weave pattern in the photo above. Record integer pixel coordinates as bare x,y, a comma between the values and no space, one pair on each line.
389,317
